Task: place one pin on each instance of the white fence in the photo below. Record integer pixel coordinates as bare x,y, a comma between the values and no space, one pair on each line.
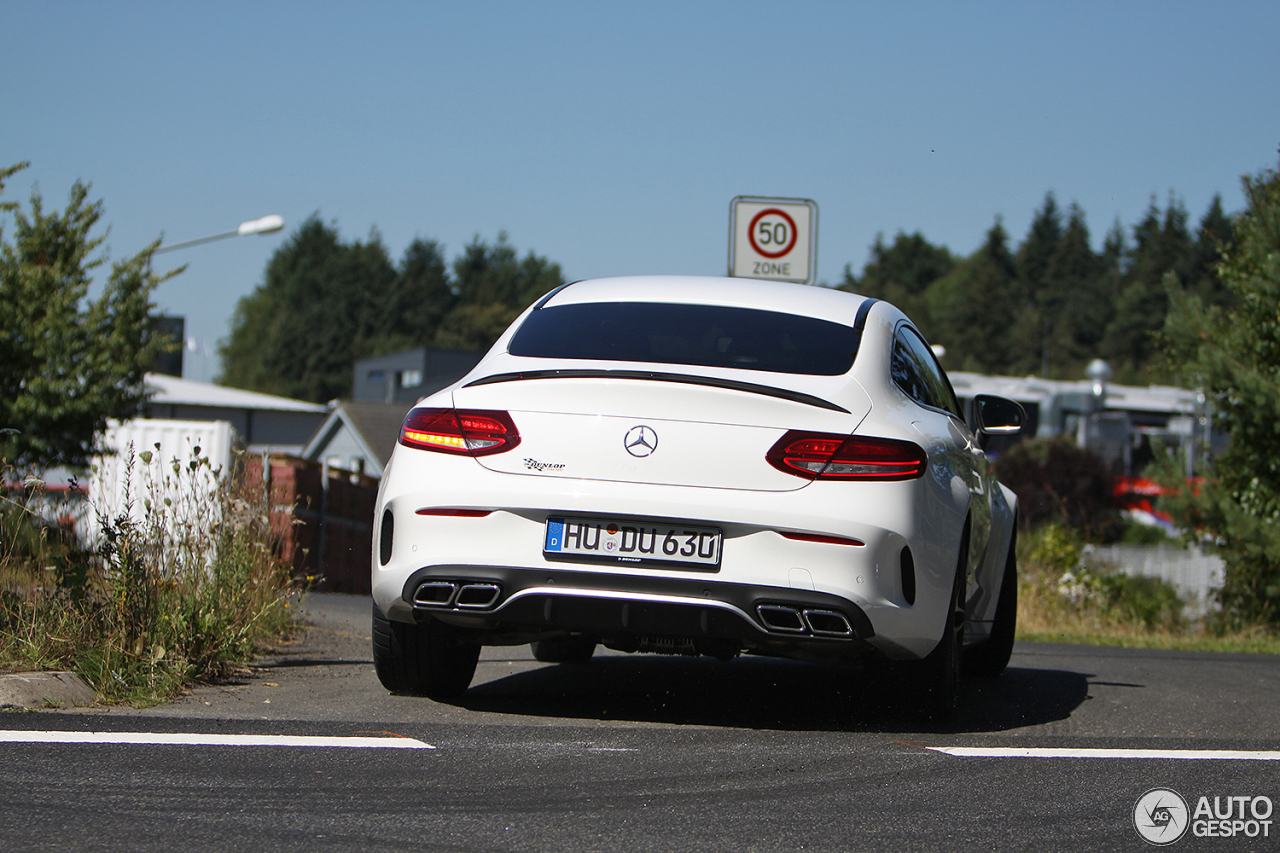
1192,572
139,473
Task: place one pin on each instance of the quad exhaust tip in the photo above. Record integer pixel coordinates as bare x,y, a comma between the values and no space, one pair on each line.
828,623
456,595
477,595
776,617
435,594
793,620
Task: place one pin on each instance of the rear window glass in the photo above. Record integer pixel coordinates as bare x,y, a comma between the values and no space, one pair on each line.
708,335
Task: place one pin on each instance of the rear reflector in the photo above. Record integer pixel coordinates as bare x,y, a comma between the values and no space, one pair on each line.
453,513
817,537
827,456
466,432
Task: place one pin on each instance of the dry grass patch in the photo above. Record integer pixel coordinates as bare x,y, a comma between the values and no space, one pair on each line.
1062,601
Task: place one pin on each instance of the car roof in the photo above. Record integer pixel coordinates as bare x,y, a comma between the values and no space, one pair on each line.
802,299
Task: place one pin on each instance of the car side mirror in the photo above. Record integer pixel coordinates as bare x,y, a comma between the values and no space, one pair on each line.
997,415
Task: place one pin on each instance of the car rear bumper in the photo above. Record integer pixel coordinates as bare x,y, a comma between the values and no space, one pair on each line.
866,582
513,603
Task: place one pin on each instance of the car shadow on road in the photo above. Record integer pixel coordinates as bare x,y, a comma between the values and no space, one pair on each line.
761,693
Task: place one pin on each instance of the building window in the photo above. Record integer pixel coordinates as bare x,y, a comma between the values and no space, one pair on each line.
410,378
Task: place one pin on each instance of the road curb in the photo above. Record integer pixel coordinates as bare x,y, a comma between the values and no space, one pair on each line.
45,690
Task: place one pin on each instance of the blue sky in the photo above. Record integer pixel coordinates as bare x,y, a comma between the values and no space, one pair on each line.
611,137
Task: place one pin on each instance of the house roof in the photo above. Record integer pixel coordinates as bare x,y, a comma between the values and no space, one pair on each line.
375,426
184,392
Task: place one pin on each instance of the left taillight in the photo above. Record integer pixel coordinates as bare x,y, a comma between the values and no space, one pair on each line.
466,432
826,456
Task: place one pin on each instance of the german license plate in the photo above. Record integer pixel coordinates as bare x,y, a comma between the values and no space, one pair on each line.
628,541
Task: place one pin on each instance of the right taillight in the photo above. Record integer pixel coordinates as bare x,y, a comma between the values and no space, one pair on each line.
827,456
466,432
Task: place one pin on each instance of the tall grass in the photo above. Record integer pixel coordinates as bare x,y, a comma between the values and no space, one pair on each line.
176,582
1063,599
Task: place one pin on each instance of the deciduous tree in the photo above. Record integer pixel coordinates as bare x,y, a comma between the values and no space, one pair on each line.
1233,354
319,308
324,303
67,363
493,285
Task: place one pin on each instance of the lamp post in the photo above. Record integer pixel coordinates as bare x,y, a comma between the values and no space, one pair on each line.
265,225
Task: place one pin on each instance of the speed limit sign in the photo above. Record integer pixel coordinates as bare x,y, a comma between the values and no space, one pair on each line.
773,238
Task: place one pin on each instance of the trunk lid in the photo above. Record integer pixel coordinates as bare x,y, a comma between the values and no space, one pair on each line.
656,431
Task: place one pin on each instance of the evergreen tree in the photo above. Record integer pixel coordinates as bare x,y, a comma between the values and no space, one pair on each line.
1114,262
1077,295
1162,245
1114,257
1039,246
1213,242
1031,338
1055,304
901,274
976,306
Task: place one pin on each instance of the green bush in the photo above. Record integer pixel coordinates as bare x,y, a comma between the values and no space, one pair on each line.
1136,533
1153,602
1061,484
1061,591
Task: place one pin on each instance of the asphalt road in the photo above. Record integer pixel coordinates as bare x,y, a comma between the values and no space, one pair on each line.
654,754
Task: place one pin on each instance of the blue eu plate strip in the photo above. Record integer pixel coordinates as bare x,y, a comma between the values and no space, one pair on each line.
555,534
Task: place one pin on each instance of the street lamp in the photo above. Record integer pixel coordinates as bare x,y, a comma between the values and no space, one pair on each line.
265,225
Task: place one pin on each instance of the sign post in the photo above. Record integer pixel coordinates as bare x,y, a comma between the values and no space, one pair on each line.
774,239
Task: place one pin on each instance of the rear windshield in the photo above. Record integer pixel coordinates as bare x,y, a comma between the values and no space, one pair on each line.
708,335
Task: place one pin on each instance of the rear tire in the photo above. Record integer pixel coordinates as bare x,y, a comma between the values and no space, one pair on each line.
427,659
990,659
564,649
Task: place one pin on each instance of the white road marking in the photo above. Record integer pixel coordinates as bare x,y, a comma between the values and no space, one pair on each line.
1165,754
194,739
609,749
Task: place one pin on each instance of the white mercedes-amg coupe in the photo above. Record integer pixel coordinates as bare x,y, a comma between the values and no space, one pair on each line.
690,465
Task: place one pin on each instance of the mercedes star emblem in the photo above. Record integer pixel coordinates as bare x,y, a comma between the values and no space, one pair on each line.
641,441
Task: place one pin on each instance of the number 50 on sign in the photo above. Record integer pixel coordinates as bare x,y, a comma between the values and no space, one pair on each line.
773,238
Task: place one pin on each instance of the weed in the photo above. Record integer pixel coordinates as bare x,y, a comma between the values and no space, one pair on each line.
1064,599
181,585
